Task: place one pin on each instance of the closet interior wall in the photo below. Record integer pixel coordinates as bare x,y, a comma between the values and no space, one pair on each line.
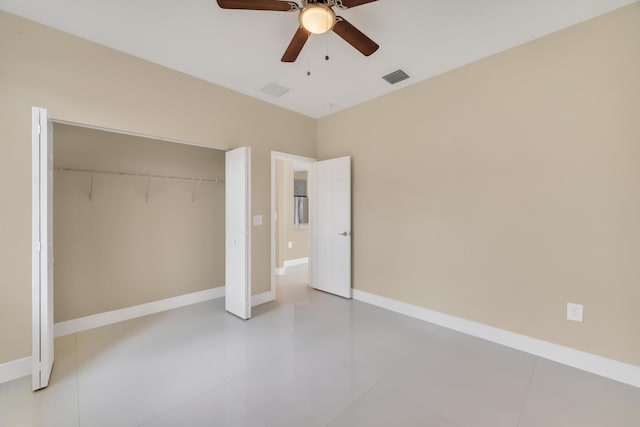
124,240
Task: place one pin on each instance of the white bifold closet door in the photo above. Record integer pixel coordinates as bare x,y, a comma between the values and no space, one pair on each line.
330,261
42,251
238,232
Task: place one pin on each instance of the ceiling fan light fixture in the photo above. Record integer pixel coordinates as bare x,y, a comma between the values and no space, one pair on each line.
317,18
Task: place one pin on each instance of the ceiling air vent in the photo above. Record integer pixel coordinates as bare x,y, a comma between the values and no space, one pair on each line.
396,77
274,89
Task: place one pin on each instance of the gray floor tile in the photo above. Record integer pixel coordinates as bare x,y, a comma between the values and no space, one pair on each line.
219,407
466,381
387,406
561,396
54,406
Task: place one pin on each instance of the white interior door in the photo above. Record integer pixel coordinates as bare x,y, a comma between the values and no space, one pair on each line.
42,239
330,200
238,232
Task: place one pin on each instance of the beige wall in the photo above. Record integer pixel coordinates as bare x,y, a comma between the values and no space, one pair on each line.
500,191
82,82
120,250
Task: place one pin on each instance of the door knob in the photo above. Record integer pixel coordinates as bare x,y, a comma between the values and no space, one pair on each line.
344,233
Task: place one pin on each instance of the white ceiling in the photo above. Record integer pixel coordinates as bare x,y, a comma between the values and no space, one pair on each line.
241,50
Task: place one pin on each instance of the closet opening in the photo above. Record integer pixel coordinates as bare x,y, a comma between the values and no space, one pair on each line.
136,221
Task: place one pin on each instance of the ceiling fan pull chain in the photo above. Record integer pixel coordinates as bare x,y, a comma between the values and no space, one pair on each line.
326,52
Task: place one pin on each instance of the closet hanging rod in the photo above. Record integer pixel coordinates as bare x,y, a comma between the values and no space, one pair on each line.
143,175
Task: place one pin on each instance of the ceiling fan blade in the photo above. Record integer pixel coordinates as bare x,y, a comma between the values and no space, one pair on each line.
296,45
277,5
354,37
344,4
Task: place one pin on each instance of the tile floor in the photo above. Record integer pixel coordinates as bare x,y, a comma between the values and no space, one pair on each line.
310,359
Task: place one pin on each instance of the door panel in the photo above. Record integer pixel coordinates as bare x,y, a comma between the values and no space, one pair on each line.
42,260
330,201
238,232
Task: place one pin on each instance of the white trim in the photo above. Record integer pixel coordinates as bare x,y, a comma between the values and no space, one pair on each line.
35,247
297,261
294,157
107,318
249,232
262,298
281,271
15,369
136,134
599,365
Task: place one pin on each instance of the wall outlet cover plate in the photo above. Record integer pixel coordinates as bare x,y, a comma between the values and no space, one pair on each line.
575,312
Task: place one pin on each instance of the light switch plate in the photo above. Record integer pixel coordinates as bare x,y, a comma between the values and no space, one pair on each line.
290,245
257,220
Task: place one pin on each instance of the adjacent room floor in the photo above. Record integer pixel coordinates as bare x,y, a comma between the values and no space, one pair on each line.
311,359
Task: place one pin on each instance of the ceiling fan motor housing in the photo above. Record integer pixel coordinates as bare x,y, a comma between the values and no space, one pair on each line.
317,18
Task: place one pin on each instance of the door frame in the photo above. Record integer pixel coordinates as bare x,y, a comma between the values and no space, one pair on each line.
278,155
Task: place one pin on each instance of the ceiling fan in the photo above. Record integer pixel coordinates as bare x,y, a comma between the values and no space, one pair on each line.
315,16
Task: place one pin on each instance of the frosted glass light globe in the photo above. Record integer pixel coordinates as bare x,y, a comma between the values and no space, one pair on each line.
317,18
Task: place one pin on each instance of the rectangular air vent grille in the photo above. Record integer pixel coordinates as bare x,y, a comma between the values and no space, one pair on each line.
274,89
396,77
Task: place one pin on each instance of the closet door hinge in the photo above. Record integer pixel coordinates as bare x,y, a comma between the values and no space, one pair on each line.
38,246
39,130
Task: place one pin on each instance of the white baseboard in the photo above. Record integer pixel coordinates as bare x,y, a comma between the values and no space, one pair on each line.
101,319
262,298
605,367
15,369
297,261
290,263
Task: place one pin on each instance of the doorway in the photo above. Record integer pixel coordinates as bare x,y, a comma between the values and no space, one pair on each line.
329,223
290,219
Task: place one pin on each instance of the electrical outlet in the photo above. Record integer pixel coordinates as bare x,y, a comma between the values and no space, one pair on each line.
290,245
575,312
